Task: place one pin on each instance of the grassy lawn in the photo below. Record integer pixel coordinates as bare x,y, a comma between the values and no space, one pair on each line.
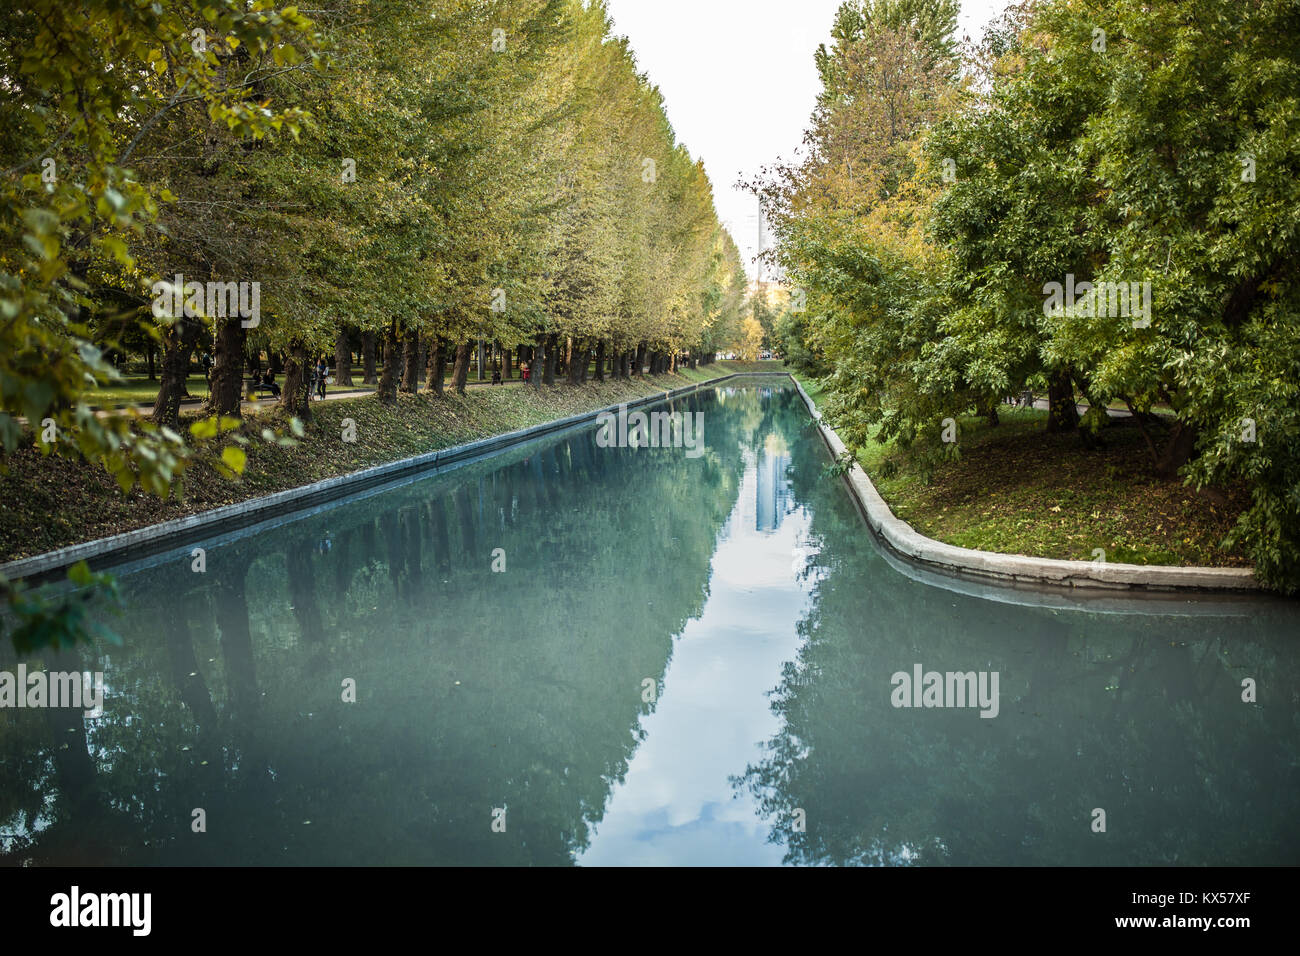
1017,490
810,385
706,373
138,390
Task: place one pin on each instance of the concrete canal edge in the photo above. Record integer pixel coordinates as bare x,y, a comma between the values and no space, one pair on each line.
1019,568
170,534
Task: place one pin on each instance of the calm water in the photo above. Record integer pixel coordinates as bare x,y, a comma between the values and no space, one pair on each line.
684,660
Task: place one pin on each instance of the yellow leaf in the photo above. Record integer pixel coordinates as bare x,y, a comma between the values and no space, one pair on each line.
234,458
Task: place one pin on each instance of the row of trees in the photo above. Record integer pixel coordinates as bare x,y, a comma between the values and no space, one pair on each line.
441,172
1100,199
489,171
422,174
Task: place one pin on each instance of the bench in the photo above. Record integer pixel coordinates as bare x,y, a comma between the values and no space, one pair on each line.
253,387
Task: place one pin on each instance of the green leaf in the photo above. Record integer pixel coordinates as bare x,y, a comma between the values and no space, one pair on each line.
80,575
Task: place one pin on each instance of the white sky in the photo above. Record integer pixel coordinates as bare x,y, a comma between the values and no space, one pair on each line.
739,82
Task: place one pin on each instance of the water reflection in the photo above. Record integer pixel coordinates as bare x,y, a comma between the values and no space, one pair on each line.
740,586
676,805
1140,714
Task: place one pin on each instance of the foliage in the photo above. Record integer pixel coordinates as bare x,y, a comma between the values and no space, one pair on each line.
1148,148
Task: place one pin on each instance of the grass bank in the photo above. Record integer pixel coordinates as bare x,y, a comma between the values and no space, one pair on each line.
1017,490
49,503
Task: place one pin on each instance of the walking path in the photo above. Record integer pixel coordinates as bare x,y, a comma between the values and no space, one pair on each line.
1082,409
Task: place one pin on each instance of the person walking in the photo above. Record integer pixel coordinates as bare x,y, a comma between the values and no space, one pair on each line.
321,371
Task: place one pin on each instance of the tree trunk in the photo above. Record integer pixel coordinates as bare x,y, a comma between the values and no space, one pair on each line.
178,344
388,378
149,350
548,363
368,376
575,360
1062,414
638,361
227,375
460,372
507,364
343,358
1087,436
294,399
437,365
600,360
539,359
411,359
1177,451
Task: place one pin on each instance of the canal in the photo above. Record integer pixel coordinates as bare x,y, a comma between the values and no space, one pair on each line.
571,653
